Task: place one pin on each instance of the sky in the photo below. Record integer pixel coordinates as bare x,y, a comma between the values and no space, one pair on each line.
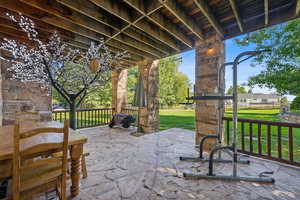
231,51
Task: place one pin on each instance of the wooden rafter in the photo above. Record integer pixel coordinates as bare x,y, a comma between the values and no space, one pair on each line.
121,12
147,29
266,7
66,25
90,10
91,24
80,34
160,20
236,13
9,28
206,11
176,10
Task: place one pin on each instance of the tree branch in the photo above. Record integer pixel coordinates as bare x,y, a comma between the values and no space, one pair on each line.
81,99
53,83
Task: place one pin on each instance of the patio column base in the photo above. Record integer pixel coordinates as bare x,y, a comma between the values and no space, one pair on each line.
210,55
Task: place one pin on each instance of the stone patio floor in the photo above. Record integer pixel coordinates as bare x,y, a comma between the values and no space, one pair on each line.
122,166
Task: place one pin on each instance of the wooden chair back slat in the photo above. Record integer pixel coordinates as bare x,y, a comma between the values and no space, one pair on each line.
39,151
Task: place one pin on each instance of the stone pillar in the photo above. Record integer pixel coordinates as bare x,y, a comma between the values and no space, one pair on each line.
210,55
19,97
149,116
119,89
1,99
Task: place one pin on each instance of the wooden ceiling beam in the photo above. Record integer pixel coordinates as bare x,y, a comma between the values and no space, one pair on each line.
176,10
266,7
72,39
123,13
112,46
236,13
89,9
81,20
134,32
138,5
161,21
29,11
20,36
206,11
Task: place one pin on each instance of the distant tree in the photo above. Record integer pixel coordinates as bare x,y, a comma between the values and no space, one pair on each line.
241,90
281,65
131,82
182,83
99,98
284,101
167,69
296,103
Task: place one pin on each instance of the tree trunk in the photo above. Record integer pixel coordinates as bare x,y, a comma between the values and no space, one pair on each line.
72,119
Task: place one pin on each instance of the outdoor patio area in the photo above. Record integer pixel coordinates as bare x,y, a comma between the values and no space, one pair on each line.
122,166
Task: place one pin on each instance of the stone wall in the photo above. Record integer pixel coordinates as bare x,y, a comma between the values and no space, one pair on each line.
149,116
210,55
18,96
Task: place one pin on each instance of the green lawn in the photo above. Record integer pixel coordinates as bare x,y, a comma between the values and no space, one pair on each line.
177,119
186,118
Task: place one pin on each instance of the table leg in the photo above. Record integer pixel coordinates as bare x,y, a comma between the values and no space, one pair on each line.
76,153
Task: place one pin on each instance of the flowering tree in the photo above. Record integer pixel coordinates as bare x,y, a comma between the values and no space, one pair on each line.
74,74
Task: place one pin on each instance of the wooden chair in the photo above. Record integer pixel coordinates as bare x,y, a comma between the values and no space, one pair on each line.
28,116
43,173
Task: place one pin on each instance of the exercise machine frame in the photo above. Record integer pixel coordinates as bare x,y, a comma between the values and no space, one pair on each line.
233,147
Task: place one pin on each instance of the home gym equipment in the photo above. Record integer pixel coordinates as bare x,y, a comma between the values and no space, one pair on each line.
232,149
220,96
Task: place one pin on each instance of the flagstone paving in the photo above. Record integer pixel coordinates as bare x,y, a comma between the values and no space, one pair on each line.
122,166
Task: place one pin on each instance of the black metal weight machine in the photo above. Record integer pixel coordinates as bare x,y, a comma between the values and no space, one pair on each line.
231,149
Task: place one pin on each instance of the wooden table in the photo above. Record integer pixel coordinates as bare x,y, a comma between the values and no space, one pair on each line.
76,141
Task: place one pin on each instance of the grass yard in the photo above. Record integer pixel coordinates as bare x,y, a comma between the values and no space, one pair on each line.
186,118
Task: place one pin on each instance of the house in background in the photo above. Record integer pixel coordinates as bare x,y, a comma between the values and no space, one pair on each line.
257,100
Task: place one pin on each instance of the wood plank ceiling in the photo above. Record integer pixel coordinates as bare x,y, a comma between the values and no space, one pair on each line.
145,28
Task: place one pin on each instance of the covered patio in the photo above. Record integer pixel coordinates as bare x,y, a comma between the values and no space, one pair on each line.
121,165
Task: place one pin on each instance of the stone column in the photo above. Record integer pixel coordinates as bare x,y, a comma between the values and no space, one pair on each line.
119,89
1,99
18,96
210,55
149,116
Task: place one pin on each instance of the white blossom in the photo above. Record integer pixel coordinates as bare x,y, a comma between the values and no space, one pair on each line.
53,63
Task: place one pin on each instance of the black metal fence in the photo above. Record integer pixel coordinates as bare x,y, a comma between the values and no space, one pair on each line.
86,117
